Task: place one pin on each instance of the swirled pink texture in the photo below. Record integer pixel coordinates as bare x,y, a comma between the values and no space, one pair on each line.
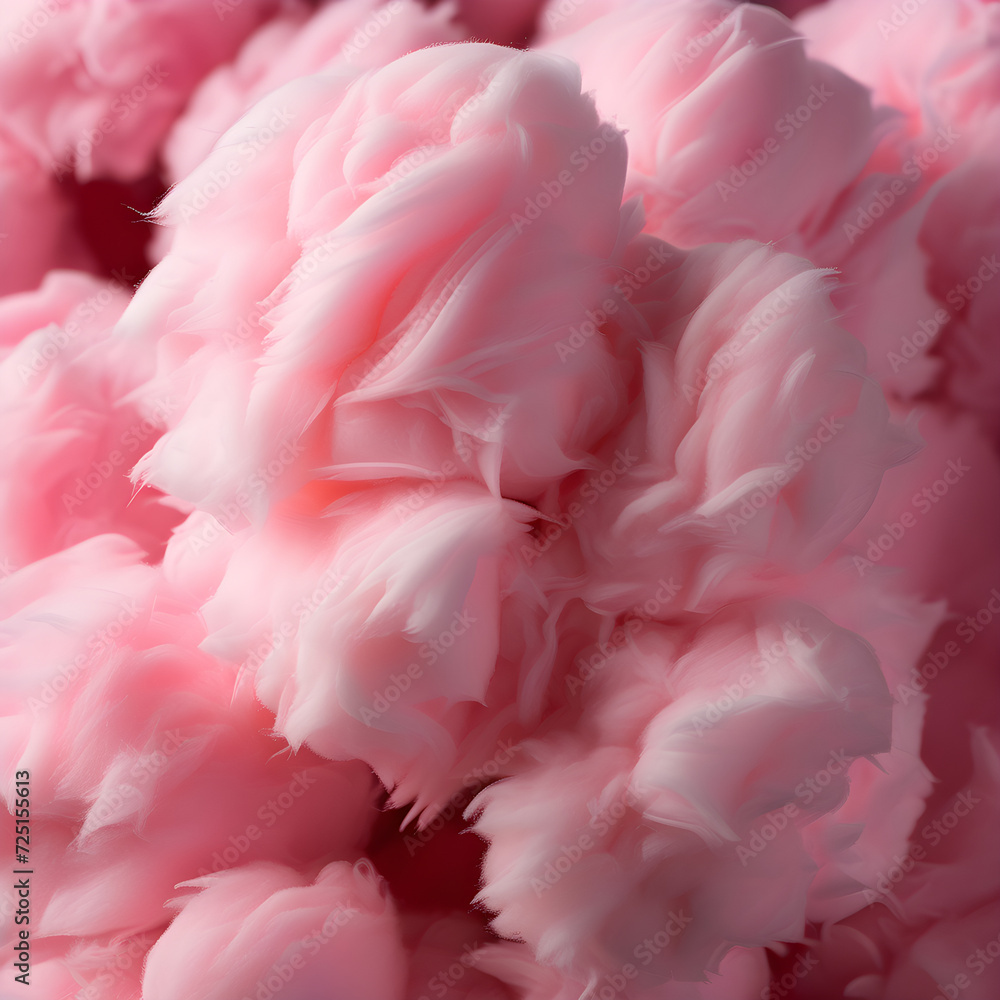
400,345
363,34
938,63
90,87
129,729
72,424
413,603
338,928
700,86
649,776
532,535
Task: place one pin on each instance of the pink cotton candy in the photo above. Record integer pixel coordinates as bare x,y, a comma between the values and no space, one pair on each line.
918,520
743,972
879,955
858,841
733,132
50,977
663,783
71,425
91,88
961,236
939,67
382,640
532,535
127,731
709,477
884,295
248,926
921,217
232,349
363,34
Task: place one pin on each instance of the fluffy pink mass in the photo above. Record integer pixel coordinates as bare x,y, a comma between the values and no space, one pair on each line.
532,535
942,72
337,929
359,34
381,239
128,728
751,405
396,643
710,93
91,86
652,774
71,423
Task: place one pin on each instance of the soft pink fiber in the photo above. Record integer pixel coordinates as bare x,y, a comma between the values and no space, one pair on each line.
533,533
